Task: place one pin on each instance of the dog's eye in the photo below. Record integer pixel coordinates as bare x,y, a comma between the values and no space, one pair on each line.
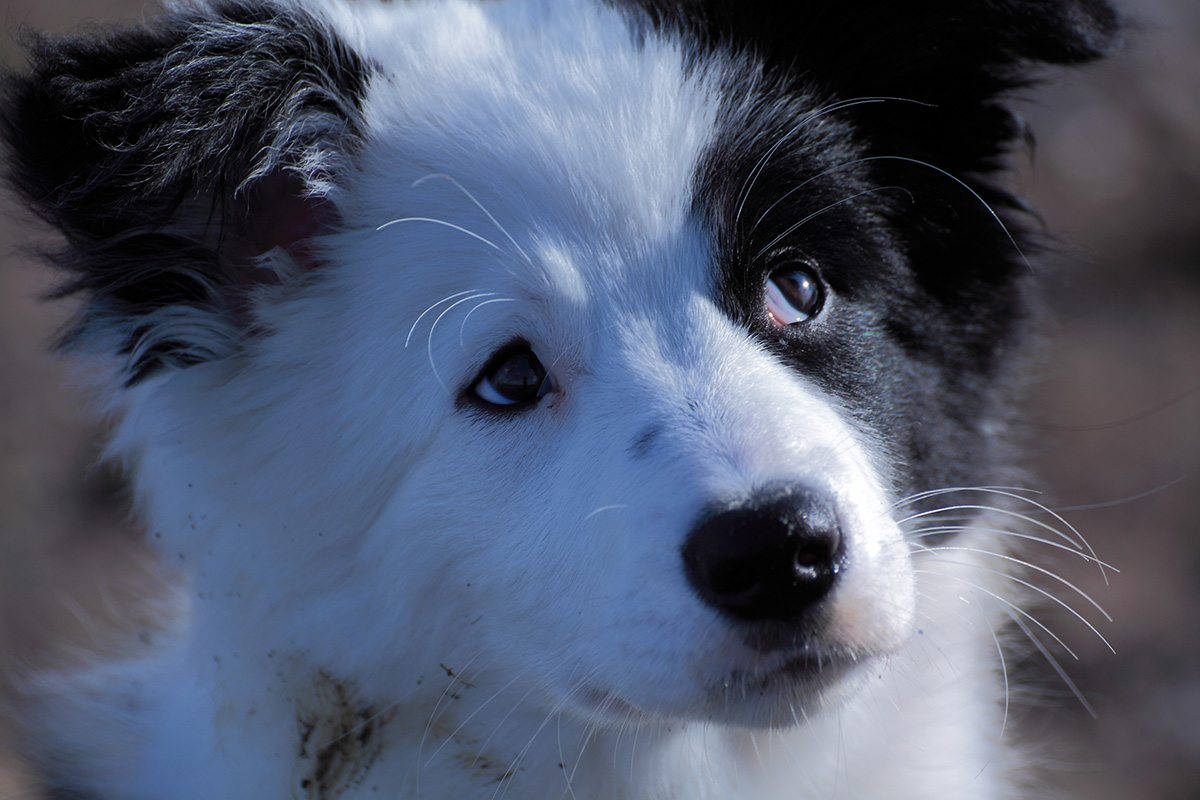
793,296
515,377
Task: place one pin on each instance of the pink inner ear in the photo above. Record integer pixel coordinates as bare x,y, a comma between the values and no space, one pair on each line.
310,217
283,215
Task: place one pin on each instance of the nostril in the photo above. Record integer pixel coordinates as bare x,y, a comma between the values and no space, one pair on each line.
816,551
767,558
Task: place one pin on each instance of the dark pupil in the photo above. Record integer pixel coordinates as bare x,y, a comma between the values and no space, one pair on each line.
519,377
798,289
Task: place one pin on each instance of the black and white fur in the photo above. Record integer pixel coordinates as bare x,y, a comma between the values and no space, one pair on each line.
552,398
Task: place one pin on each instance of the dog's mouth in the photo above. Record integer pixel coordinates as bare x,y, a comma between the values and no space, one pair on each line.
774,694
802,670
779,692
605,705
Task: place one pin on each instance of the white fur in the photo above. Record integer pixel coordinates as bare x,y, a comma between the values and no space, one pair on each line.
506,596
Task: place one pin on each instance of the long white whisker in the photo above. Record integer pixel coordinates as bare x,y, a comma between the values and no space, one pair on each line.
1053,662
928,493
1008,513
1123,500
1003,672
827,208
797,188
478,205
437,711
469,717
442,222
942,529
433,327
553,714
503,720
1026,565
463,326
1056,517
350,731
417,321
562,758
603,508
1007,603
965,185
757,754
806,119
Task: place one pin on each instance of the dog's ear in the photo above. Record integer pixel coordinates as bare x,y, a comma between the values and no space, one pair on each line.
928,71
186,162
858,35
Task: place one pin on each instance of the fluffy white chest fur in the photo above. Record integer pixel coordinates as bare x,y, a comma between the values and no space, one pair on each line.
551,400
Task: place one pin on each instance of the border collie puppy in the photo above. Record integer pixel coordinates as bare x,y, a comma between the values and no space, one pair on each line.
552,398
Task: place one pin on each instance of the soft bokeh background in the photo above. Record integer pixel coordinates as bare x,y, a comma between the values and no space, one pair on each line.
1116,172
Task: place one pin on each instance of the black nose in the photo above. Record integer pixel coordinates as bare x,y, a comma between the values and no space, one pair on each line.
768,558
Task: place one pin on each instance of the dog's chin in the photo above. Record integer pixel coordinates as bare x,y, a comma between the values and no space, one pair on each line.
782,694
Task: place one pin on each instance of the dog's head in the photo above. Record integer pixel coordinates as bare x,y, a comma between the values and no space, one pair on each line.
587,343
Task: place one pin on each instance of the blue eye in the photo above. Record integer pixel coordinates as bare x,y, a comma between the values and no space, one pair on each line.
792,296
516,377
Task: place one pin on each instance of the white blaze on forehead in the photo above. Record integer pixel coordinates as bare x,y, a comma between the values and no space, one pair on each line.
576,134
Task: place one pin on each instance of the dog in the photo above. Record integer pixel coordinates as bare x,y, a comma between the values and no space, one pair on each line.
554,399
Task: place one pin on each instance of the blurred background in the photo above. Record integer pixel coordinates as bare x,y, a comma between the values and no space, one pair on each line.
1117,419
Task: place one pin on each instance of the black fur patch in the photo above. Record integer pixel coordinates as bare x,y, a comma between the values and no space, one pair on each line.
871,157
163,152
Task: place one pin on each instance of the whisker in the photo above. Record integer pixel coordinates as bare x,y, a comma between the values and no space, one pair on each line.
592,730
1003,673
1026,565
516,764
965,185
827,208
757,753
350,731
576,687
1123,500
1053,514
433,327
480,206
443,222
461,328
470,716
797,188
1007,603
928,493
604,508
417,322
807,119
633,749
1053,662
1008,512
936,530
504,719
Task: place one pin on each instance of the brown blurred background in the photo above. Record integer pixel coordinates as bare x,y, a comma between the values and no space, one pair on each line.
1116,172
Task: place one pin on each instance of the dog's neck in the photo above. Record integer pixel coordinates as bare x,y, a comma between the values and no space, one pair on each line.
465,740
456,731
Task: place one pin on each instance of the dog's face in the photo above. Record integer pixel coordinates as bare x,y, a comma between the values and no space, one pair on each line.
553,343
605,417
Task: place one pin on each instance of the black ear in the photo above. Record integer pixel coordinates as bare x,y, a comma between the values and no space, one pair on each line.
172,157
948,58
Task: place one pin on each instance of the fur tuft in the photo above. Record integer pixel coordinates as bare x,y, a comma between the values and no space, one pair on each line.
172,157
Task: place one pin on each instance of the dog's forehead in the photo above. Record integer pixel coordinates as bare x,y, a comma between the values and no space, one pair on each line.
565,145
